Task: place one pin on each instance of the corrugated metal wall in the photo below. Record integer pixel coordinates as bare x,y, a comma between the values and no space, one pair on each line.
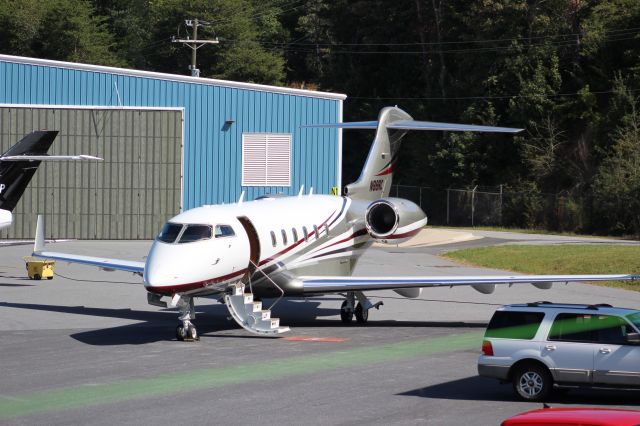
216,115
128,196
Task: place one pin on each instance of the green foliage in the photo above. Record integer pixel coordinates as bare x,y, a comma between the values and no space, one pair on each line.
567,71
616,188
56,29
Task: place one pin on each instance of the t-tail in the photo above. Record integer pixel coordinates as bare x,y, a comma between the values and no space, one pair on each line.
393,123
17,168
20,163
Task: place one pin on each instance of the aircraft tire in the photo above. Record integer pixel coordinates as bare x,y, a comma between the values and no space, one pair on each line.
192,333
362,315
346,315
180,333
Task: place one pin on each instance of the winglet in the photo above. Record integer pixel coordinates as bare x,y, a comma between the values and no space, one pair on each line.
39,241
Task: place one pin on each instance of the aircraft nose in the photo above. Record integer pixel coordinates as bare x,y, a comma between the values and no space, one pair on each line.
160,268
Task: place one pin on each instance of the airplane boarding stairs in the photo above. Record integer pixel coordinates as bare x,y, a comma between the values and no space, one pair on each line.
249,314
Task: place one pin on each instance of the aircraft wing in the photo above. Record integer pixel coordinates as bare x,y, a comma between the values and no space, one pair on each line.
101,262
320,284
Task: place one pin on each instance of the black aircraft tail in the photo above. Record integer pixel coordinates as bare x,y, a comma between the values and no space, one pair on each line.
15,175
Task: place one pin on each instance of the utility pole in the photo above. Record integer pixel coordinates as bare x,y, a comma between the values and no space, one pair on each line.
194,43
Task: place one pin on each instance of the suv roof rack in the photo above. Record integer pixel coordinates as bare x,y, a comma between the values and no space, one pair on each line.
541,302
593,307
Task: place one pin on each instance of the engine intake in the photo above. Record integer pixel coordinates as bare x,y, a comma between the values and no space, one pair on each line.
394,220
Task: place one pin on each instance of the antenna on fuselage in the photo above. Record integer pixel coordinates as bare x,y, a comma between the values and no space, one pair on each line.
301,191
241,199
311,191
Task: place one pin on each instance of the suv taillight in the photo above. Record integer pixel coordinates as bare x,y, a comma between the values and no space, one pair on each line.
487,349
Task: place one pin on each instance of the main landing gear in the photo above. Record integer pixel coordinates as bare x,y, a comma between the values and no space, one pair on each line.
361,310
185,332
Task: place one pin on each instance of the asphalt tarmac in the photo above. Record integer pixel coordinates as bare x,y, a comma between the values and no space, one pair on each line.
86,348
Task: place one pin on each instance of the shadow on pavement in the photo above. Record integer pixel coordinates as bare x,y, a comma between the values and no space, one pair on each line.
478,388
154,326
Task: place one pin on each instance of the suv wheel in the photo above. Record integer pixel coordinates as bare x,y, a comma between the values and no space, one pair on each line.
532,382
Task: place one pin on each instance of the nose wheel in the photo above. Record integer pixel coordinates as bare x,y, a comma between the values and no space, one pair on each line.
186,331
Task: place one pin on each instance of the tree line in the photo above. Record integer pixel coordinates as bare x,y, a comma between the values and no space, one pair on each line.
567,71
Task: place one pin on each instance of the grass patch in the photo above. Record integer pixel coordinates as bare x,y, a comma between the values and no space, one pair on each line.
557,260
531,231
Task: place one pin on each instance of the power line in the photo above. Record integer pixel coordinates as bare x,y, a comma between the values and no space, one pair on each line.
454,98
619,35
523,39
447,51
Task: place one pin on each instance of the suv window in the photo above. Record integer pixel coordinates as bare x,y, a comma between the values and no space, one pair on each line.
514,324
590,328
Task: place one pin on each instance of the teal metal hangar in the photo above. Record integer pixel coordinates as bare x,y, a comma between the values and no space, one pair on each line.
170,143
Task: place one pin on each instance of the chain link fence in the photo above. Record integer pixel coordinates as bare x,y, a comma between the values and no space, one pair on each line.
494,207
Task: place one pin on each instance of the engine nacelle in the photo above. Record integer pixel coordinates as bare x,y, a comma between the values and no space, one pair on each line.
394,220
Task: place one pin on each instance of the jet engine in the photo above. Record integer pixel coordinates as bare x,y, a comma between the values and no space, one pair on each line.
394,220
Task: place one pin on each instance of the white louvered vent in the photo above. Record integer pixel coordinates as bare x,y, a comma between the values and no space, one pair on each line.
266,159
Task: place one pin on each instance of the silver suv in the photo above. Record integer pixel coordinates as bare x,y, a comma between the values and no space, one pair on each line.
541,345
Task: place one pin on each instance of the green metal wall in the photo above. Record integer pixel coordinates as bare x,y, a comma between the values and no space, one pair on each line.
127,196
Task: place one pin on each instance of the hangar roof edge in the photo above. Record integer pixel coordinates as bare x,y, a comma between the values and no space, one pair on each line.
172,77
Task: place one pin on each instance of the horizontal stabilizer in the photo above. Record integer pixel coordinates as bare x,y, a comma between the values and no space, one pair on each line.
51,158
350,125
449,127
418,125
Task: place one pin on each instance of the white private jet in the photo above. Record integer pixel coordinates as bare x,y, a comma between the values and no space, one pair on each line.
19,164
279,246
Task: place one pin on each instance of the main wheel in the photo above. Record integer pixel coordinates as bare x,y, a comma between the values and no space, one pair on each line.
532,382
346,314
181,333
362,315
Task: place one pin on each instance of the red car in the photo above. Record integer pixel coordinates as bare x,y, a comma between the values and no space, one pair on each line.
575,417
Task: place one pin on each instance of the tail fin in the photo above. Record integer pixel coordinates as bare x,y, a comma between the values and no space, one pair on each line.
15,175
375,179
393,123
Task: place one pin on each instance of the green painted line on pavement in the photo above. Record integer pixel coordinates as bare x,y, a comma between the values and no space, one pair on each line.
192,380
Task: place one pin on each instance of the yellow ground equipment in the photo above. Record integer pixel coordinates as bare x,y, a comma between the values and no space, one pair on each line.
38,269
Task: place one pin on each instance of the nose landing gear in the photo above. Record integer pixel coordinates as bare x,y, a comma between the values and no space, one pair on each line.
185,332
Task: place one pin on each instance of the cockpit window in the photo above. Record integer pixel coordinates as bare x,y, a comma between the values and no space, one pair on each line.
224,231
169,232
195,233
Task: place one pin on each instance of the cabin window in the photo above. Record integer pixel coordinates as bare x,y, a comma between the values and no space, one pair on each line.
315,231
195,233
284,237
224,231
273,239
305,233
169,232
295,234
